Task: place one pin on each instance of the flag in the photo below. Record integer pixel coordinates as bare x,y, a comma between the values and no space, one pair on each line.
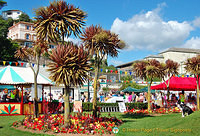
101,70
33,64
16,63
22,64
4,62
10,62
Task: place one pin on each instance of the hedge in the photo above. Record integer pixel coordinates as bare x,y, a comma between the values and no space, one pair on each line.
87,106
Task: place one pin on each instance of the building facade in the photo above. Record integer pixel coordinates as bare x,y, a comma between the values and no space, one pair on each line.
23,33
14,14
179,55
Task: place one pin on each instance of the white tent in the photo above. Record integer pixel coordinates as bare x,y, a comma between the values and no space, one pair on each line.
21,75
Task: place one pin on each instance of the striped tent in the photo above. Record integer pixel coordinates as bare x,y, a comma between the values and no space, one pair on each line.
20,75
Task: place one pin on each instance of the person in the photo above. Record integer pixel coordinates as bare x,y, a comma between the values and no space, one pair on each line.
18,96
82,97
45,96
5,95
1,95
11,96
133,97
129,97
141,98
159,99
101,97
182,98
25,97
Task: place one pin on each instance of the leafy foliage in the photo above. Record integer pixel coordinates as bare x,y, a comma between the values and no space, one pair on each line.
58,19
2,3
192,65
69,64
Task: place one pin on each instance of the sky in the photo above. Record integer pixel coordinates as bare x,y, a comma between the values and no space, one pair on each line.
146,26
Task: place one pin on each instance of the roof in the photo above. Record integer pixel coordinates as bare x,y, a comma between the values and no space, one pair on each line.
155,56
184,50
127,64
11,10
21,22
20,75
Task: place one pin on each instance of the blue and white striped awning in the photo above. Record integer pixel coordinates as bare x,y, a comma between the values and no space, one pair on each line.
21,75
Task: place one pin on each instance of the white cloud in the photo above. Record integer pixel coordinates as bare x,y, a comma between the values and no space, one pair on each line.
74,40
193,43
117,62
196,22
149,31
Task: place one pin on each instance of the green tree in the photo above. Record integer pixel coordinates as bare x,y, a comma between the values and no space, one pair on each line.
192,65
2,3
24,17
29,54
99,43
147,70
7,49
69,66
58,20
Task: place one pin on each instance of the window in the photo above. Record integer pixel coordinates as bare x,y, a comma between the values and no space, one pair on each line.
27,27
9,13
27,36
18,12
51,46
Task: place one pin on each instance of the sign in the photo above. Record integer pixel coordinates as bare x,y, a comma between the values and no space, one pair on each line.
122,107
77,106
115,130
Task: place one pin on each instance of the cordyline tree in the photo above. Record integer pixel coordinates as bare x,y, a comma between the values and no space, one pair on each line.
69,66
31,54
168,69
2,4
100,42
192,65
147,70
58,20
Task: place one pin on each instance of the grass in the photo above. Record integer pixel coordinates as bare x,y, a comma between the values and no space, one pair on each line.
165,125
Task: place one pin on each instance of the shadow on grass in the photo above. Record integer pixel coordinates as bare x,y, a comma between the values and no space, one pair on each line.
1,127
135,116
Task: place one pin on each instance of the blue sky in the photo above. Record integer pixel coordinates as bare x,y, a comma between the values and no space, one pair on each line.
147,26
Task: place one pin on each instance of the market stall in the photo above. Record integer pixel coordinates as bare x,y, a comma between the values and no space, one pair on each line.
20,77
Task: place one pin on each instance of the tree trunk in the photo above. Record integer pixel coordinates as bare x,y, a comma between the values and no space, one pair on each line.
197,92
36,96
67,107
94,108
148,96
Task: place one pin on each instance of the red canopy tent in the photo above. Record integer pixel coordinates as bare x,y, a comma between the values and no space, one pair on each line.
178,84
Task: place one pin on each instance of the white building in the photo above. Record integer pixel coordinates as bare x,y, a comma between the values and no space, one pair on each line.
23,33
14,14
179,55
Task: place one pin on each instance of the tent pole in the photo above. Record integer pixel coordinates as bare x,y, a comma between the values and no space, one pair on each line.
42,99
22,99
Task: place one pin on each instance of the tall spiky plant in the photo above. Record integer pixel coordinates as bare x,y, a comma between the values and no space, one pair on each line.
31,54
99,43
147,70
58,20
69,66
168,69
192,65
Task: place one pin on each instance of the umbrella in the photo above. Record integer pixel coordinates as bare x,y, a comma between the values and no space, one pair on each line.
130,89
20,75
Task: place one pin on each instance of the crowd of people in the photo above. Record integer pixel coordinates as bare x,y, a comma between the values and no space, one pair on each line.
158,99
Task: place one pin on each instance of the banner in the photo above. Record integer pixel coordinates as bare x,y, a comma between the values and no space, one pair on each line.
122,106
77,106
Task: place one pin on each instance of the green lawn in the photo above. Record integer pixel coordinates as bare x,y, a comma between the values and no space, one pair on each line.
165,125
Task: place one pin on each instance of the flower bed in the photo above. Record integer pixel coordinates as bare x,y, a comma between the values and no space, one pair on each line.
79,124
157,111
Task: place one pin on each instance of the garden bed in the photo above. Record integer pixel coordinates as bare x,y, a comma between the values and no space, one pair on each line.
79,124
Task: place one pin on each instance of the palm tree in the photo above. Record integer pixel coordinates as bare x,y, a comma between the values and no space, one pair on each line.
2,3
58,20
69,66
99,43
147,70
192,65
169,69
31,54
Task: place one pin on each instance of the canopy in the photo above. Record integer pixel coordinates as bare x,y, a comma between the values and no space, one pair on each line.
130,89
145,89
11,75
9,87
178,84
